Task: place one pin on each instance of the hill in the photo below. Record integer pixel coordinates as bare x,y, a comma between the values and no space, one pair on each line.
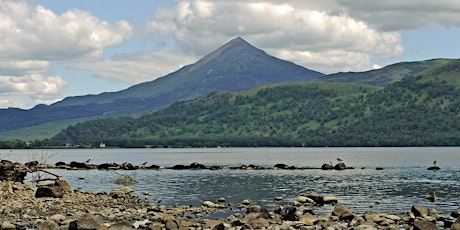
387,75
419,110
235,66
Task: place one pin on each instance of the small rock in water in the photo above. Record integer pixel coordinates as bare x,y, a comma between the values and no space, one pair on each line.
81,178
245,202
278,198
221,200
145,193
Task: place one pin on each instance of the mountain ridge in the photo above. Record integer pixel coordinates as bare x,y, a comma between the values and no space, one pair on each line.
235,66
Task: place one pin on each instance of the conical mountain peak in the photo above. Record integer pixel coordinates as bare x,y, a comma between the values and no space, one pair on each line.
235,47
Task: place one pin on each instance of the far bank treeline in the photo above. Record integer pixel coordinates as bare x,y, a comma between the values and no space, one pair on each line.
416,111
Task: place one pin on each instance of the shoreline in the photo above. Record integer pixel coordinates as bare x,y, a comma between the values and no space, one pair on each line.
123,209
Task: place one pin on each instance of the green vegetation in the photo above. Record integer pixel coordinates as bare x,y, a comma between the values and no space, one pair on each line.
416,111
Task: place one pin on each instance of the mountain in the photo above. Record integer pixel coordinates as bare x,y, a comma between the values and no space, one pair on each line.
235,66
419,110
386,75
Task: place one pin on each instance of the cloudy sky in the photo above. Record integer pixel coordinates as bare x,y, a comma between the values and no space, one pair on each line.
53,49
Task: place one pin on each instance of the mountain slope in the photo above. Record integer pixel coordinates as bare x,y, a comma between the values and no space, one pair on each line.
416,111
235,66
386,75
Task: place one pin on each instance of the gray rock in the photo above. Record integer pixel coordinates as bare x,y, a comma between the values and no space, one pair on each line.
343,213
86,222
46,191
419,210
456,225
422,224
49,225
122,225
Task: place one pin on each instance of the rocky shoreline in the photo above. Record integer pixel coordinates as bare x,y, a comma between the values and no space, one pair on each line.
122,209
52,204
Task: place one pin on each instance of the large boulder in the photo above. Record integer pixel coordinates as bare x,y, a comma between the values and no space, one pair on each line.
419,210
10,171
326,166
422,224
340,166
52,188
343,213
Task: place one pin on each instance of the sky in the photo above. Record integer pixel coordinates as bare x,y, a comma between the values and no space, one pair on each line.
52,49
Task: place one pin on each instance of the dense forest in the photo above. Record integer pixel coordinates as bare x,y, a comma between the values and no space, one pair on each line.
416,111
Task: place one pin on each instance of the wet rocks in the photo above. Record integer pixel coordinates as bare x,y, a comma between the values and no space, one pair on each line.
433,168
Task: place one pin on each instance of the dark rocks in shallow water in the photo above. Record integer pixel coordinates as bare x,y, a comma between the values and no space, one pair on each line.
340,166
179,167
284,166
433,168
288,213
326,166
196,165
379,168
154,167
317,198
128,166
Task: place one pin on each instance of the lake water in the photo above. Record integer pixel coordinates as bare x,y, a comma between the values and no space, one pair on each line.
403,182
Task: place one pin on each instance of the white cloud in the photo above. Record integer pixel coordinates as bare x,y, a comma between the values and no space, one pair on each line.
33,88
288,30
33,36
137,68
34,32
394,15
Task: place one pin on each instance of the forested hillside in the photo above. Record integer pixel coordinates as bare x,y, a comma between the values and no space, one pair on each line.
421,110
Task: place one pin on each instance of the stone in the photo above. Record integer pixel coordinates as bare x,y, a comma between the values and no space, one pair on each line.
171,224
12,171
456,225
245,202
255,221
342,212
58,218
8,226
121,225
326,166
288,213
86,222
317,198
46,191
117,194
221,200
309,219
340,166
63,185
49,225
330,200
419,210
304,199
209,204
422,224
127,190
